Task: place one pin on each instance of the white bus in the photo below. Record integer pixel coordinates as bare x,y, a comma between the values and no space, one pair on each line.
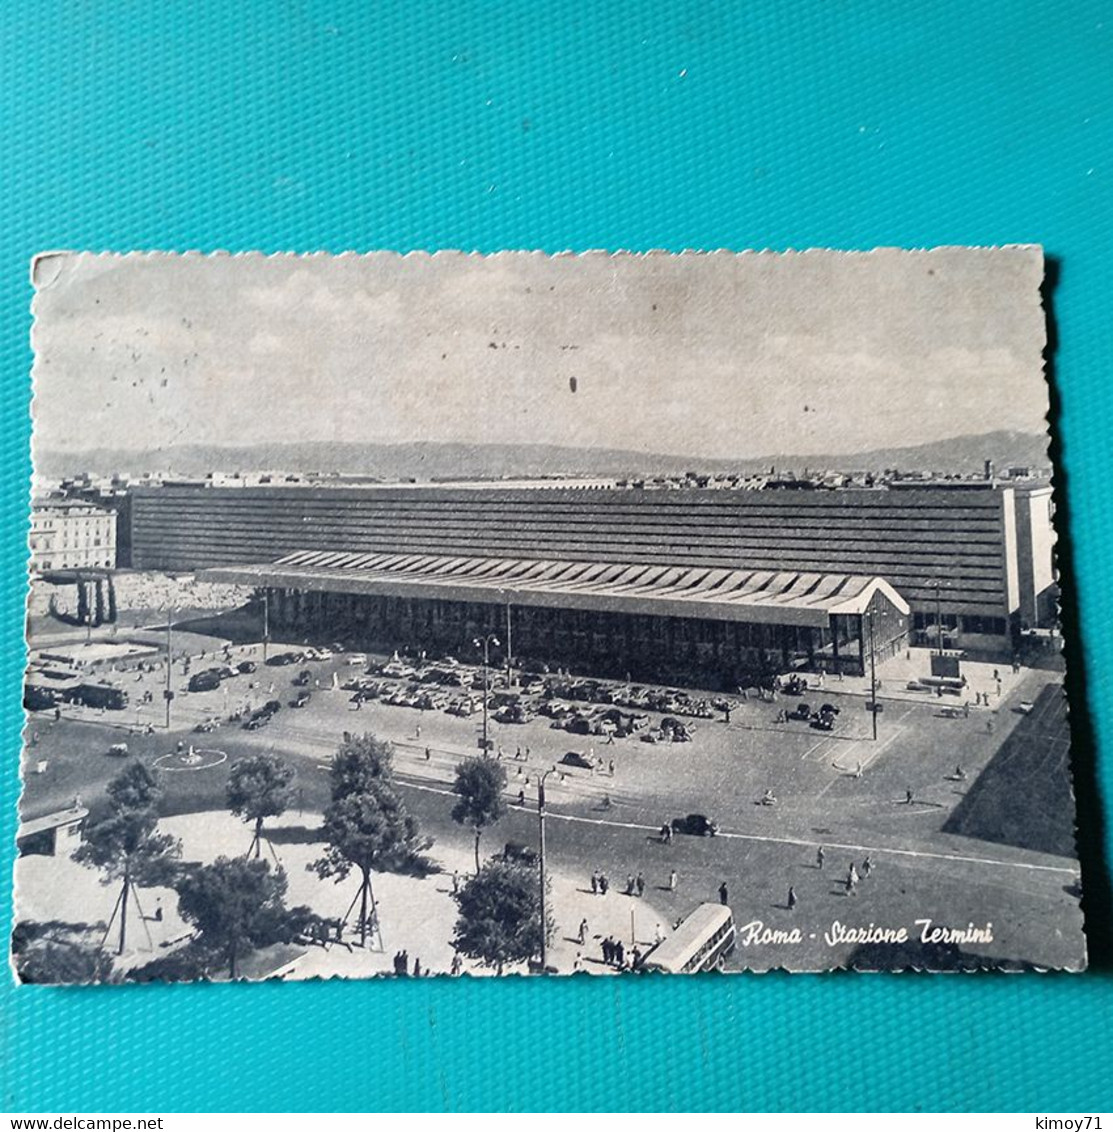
700,943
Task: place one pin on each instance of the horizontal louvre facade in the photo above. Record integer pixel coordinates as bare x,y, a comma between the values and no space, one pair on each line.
961,539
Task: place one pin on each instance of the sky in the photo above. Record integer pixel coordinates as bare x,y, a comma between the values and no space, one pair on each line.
716,355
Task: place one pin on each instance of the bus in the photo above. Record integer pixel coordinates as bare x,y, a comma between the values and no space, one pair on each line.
702,940
100,696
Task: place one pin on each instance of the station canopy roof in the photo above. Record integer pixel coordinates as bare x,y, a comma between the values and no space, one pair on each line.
761,596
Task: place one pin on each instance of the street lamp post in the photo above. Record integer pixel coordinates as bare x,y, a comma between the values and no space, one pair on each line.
485,644
541,864
873,676
266,623
168,694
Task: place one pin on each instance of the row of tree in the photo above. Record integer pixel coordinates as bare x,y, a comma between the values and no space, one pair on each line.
238,904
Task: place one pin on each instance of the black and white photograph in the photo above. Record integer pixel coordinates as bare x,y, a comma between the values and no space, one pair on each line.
461,615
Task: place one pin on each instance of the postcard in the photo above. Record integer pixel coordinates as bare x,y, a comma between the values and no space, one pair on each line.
454,614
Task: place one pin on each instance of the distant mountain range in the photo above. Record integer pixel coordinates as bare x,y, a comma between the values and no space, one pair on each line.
432,461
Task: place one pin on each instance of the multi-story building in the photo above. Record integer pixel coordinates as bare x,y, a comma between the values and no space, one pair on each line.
71,534
718,577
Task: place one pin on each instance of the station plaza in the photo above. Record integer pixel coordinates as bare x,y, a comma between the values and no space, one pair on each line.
904,799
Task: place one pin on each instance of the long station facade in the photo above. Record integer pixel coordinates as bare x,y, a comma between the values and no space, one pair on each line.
705,583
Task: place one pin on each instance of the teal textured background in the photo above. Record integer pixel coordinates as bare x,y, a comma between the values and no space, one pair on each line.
311,126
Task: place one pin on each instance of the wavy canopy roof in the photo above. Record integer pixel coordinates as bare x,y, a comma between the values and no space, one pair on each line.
762,596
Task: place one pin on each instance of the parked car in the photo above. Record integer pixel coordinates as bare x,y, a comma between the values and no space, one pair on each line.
284,658
301,699
302,678
697,825
207,681
118,750
574,758
246,667
521,854
801,711
357,658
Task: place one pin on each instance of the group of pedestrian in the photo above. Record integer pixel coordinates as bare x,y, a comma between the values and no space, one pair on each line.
614,954
599,883
635,885
853,876
402,964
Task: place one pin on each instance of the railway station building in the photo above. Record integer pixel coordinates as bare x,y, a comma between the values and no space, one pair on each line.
697,580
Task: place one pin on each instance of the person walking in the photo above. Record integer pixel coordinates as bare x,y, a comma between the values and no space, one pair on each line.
672,880
820,857
583,931
604,883
595,883
658,935
908,797
639,884
619,955
723,892
791,901
455,882
630,884
867,866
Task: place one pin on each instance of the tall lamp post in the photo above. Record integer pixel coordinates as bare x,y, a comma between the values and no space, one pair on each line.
266,623
937,585
168,693
541,864
485,644
873,676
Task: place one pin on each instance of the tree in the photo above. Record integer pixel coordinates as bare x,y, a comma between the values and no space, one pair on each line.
361,761
259,787
500,915
48,961
236,904
98,602
480,783
111,600
124,844
367,830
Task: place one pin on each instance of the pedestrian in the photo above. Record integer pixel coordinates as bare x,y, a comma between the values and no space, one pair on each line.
610,765
791,901
867,866
158,911
608,950
658,935
672,880
639,884
518,753
723,893
417,731
908,797
455,882
428,754
966,709
989,726
635,958
619,955
595,882
820,856
630,884
578,962
457,965
583,931
852,874
604,883
858,769
417,967
521,797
